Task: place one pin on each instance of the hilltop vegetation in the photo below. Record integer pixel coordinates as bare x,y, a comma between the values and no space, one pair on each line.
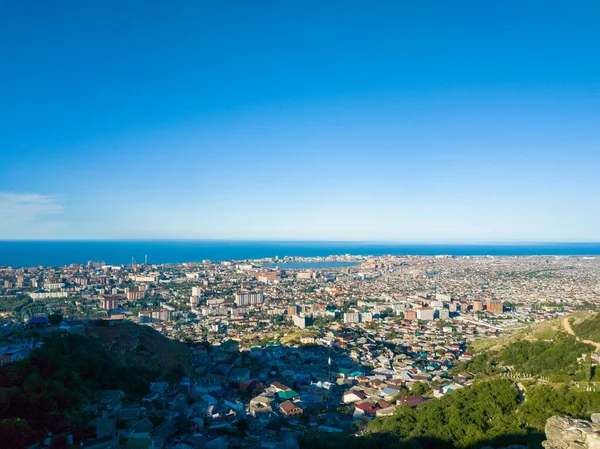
557,359
588,329
50,390
141,346
491,412
544,349
465,418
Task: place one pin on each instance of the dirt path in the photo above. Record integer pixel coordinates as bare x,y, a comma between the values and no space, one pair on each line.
569,330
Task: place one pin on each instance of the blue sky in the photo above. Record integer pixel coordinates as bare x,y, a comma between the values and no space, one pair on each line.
406,121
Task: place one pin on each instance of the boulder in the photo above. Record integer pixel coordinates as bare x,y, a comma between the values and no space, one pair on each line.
568,433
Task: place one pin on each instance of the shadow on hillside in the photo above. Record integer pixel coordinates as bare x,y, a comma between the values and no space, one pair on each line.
382,440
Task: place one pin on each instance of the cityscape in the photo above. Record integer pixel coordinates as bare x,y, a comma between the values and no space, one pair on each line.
281,347
299,224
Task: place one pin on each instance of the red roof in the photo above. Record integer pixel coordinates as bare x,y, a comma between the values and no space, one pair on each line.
413,401
367,408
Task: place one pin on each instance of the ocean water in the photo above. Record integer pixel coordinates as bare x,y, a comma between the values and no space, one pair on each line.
58,253
309,265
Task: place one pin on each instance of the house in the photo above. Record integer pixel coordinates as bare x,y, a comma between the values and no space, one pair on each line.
364,408
278,386
131,413
288,408
260,406
412,401
388,411
389,392
452,387
110,400
210,400
353,396
239,375
289,394
273,427
141,429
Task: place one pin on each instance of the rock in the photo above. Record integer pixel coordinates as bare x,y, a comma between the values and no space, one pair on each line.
595,418
568,433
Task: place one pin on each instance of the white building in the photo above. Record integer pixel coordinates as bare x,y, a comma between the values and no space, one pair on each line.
443,314
425,313
351,317
249,298
302,321
366,317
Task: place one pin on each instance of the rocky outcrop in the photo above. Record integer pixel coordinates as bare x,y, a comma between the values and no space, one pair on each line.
568,433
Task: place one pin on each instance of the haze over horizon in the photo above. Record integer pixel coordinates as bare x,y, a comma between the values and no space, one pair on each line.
283,121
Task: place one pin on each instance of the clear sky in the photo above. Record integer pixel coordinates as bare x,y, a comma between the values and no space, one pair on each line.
426,121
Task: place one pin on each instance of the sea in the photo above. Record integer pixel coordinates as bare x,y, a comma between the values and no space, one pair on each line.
60,253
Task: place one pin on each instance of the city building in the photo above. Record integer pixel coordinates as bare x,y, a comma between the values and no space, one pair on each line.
249,298
110,303
154,315
477,306
134,295
425,313
410,314
351,317
494,306
302,321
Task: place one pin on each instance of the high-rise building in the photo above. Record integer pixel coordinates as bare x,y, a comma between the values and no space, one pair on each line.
351,317
293,310
154,315
425,313
249,298
134,295
302,321
110,303
443,313
366,317
477,306
494,306
410,314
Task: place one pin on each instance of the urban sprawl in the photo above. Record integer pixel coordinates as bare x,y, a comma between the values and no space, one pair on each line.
289,349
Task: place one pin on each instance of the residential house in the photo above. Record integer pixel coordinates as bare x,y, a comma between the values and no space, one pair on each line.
288,408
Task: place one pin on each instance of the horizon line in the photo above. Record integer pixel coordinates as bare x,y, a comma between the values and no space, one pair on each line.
290,240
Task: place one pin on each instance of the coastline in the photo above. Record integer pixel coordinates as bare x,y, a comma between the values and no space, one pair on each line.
119,252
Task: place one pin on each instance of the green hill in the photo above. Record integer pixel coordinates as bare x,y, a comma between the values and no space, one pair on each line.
587,328
49,391
496,410
133,345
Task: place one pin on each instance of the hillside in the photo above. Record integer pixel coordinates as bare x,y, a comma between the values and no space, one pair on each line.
585,327
546,330
133,345
550,378
551,351
50,390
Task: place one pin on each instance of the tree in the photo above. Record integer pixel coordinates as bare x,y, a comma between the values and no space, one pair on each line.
55,319
18,432
420,388
589,372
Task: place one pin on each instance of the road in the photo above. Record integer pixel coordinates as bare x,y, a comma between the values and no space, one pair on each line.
569,330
